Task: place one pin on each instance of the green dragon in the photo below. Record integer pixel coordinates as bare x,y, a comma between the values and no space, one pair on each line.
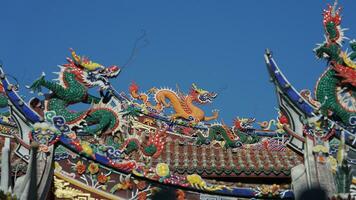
152,147
231,138
75,79
3,102
335,89
352,56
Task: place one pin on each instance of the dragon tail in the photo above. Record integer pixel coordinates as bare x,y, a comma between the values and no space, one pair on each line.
136,95
134,91
267,125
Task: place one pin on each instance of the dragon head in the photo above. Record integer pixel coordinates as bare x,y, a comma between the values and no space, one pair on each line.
202,96
353,45
244,124
90,73
332,21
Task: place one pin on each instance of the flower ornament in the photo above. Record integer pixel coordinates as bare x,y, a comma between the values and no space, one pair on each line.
80,167
162,170
102,178
93,168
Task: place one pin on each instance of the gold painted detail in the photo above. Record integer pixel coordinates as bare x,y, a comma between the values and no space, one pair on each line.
63,190
269,190
59,175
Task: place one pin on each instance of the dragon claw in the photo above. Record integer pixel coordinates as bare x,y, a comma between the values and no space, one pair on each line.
215,111
36,86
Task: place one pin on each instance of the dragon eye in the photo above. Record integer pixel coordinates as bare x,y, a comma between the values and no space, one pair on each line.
203,98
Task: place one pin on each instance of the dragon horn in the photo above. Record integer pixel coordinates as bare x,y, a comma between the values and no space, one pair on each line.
333,12
74,55
194,86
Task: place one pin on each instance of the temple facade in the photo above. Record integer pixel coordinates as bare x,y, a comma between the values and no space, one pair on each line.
128,146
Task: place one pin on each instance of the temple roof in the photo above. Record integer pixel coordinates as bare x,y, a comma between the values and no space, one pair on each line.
251,161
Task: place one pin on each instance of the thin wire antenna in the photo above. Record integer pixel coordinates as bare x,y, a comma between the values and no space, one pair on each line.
9,75
222,89
136,48
14,78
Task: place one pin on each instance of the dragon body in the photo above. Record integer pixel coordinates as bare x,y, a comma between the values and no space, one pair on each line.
183,105
231,138
335,89
3,97
152,147
4,104
75,79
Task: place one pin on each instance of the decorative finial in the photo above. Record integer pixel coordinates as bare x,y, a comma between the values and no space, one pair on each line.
332,14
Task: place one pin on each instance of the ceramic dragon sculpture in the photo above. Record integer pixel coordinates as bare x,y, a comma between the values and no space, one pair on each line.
231,138
335,89
183,105
75,79
5,114
3,101
151,147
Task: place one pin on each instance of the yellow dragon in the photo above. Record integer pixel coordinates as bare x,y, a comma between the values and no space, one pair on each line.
181,104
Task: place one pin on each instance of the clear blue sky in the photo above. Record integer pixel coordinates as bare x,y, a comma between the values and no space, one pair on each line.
216,44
